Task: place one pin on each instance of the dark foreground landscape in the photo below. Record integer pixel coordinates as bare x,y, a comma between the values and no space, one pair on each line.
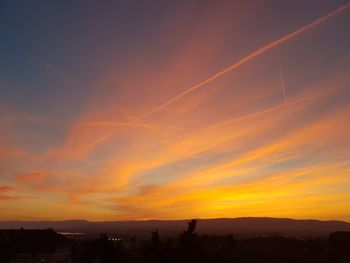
254,240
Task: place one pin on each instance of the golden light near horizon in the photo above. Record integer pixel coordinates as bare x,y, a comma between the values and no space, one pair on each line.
180,110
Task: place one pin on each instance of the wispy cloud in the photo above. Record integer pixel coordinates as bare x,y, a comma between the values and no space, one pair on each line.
267,136
34,176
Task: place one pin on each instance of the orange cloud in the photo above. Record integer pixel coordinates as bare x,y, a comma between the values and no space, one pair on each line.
35,176
4,189
231,149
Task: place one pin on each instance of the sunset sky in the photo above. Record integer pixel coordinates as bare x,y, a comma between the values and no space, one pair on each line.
113,110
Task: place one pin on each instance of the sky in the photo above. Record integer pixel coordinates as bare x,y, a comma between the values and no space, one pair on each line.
134,110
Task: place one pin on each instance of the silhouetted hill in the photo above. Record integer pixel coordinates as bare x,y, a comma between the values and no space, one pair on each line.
241,227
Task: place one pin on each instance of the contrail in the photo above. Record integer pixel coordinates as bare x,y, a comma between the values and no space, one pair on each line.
114,124
282,77
98,141
243,117
119,125
256,53
254,114
236,65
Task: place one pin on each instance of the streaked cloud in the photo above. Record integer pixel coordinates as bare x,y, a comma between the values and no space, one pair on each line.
162,128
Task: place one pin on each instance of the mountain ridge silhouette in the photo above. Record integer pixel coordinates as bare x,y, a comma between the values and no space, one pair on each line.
242,226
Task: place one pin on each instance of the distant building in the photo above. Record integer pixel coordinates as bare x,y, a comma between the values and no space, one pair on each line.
34,246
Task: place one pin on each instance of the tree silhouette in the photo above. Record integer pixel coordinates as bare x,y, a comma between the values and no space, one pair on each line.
192,226
187,242
155,237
